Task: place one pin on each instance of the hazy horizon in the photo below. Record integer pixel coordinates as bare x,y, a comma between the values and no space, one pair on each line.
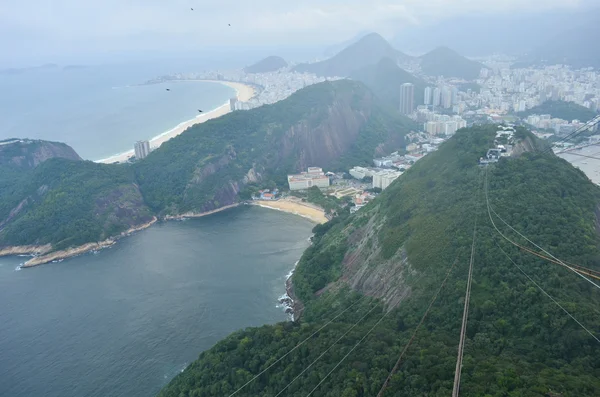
68,32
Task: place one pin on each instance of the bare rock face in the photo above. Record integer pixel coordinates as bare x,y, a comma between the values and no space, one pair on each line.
26,153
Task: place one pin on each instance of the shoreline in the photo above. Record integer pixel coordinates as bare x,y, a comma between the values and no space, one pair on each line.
312,213
41,255
244,92
199,214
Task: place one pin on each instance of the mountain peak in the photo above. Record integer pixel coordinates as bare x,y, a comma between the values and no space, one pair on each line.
444,61
266,65
368,50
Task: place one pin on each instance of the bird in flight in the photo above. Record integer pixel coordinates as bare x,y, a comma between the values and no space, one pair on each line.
191,9
199,111
168,89
229,24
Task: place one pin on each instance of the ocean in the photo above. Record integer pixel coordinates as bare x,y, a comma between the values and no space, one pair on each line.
126,320
101,110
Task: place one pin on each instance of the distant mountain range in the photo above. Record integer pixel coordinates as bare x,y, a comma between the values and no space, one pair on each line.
446,62
372,48
269,64
577,47
366,51
384,79
48,66
476,34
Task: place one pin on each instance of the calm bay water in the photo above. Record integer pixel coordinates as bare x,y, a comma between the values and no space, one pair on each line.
123,322
100,110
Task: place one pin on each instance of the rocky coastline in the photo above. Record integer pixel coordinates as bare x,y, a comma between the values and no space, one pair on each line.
42,253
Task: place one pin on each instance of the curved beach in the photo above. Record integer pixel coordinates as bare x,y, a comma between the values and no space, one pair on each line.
243,92
296,207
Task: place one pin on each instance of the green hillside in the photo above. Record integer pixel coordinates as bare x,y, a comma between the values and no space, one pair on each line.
334,125
397,251
367,51
445,62
385,79
68,203
561,109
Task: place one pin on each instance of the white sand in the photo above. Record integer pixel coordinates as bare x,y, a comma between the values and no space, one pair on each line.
243,92
296,207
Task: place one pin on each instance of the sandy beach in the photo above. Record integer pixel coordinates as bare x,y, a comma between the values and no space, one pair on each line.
243,92
295,207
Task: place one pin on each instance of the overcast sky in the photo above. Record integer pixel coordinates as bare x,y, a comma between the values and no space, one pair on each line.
36,29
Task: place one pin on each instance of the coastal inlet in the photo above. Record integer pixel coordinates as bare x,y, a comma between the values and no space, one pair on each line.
143,308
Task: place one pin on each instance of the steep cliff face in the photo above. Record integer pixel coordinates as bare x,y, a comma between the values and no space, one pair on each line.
333,125
27,153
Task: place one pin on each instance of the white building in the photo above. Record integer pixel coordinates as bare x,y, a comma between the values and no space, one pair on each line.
142,149
360,172
383,179
313,177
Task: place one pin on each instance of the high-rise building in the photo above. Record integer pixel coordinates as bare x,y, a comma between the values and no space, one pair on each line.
407,98
232,103
142,149
446,97
437,95
427,97
454,91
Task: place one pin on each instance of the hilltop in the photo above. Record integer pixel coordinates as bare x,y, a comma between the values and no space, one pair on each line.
386,263
29,153
445,62
385,79
562,110
61,203
269,64
368,50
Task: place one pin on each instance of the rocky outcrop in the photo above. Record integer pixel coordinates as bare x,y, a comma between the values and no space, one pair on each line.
365,271
46,257
26,250
27,153
325,141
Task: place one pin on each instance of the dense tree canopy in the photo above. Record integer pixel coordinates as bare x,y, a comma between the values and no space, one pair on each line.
519,342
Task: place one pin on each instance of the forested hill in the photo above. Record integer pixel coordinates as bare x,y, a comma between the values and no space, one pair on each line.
387,262
385,78
269,64
66,203
443,61
369,50
562,110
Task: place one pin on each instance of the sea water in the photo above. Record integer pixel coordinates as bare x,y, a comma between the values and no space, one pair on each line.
125,321
101,110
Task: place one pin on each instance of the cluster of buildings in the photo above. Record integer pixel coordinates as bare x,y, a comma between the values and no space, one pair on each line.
444,96
503,144
547,122
269,87
505,90
382,178
314,176
439,124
